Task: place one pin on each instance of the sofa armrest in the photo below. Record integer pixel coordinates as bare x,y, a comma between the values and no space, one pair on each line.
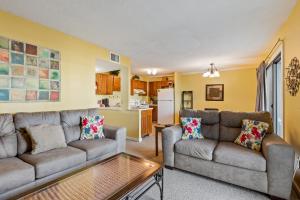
118,134
280,158
170,136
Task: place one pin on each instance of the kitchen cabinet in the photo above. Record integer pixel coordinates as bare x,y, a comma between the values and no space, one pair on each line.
105,84
117,84
141,85
146,122
156,85
109,84
154,113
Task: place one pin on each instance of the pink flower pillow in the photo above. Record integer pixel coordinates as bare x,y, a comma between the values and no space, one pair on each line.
191,128
252,134
92,127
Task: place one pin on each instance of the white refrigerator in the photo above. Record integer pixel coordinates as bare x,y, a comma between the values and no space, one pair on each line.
166,106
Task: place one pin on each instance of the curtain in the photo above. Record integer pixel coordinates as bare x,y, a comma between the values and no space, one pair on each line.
261,87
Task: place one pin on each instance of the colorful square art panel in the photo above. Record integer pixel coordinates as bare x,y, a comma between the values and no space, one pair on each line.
28,73
31,95
31,61
4,95
44,73
17,46
18,94
44,95
44,85
4,56
54,85
54,64
32,83
55,75
4,69
32,72
54,96
17,58
31,49
17,70
17,82
4,43
4,82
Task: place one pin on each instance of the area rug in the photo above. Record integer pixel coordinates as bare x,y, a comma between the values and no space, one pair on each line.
180,185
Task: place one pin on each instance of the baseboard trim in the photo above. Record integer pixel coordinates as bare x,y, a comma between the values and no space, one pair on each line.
134,139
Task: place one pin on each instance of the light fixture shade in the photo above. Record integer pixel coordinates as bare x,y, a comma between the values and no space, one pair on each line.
212,72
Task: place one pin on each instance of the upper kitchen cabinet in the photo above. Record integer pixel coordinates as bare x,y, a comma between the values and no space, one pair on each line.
117,83
107,83
156,85
138,87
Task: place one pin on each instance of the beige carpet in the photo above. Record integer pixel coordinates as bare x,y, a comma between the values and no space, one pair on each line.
181,185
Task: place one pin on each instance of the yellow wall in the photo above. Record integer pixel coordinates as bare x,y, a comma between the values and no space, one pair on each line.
239,90
290,33
124,118
78,62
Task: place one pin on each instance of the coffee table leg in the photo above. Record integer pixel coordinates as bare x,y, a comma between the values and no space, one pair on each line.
160,177
156,142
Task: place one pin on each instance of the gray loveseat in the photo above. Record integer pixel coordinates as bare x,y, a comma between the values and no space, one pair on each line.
218,157
21,171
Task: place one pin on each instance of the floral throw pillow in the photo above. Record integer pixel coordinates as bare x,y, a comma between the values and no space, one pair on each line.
92,127
252,134
191,128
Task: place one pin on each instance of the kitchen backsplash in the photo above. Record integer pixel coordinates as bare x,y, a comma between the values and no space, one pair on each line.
114,99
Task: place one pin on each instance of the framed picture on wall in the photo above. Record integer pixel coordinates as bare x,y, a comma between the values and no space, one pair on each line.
215,92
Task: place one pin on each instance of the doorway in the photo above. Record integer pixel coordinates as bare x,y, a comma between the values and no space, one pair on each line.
274,93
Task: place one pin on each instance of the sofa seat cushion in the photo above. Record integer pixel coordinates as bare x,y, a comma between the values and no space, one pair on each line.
14,173
233,154
55,160
201,148
95,148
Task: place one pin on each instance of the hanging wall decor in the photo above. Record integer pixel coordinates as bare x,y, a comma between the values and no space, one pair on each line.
28,73
293,77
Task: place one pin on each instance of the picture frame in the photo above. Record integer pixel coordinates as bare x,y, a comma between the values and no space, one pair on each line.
214,92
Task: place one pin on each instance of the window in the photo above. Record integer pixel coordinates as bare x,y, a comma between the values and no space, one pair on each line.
274,93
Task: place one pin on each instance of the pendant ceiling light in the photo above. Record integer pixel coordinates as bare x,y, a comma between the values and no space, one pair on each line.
152,72
212,72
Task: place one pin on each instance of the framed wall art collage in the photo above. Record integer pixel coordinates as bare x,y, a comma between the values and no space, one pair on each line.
28,73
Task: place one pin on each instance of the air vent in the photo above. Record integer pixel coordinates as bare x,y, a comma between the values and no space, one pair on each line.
114,57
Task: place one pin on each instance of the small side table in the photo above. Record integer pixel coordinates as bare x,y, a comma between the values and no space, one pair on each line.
159,128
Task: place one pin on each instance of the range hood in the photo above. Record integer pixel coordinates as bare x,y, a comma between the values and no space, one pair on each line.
138,91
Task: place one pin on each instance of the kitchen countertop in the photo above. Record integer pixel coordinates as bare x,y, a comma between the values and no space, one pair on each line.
110,108
139,109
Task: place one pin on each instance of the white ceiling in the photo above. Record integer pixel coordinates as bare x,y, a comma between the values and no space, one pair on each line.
171,35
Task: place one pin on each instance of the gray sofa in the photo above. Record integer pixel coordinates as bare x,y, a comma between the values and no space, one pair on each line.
218,157
21,171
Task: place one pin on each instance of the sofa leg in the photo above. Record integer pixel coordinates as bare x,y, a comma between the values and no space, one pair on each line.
168,167
275,198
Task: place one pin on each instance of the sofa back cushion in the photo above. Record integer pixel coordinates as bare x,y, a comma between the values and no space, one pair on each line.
231,123
25,120
8,138
209,122
71,122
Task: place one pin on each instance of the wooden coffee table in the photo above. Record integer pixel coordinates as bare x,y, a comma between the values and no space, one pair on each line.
122,176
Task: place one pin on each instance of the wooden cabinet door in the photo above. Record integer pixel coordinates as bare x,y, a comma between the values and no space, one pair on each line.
149,121
154,113
151,89
101,81
109,84
157,87
134,85
164,84
117,84
144,128
145,88
140,85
